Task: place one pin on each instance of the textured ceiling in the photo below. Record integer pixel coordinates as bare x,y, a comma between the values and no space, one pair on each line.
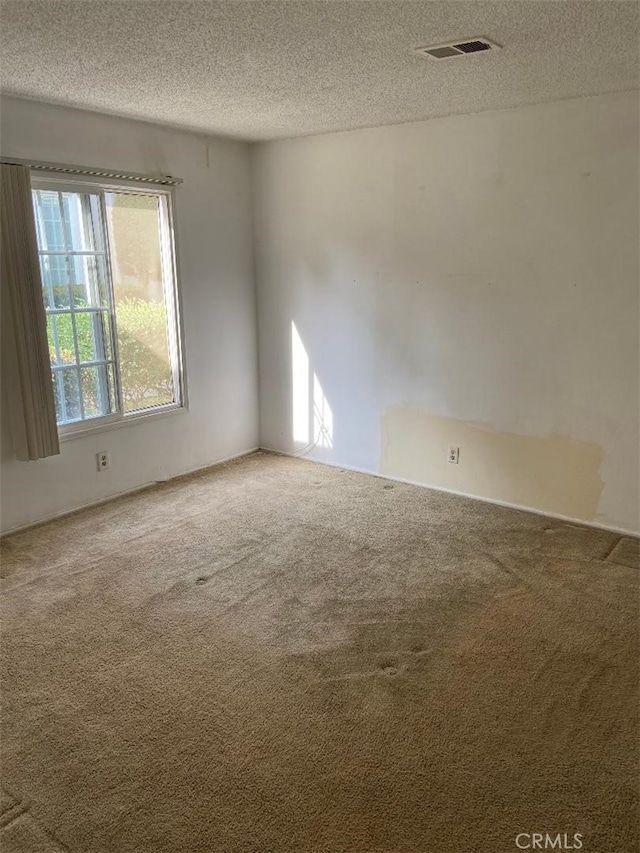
263,70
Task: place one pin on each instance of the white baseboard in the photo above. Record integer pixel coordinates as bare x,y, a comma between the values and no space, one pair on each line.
578,521
621,530
125,492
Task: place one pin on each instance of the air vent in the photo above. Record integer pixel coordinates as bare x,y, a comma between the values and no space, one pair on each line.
460,47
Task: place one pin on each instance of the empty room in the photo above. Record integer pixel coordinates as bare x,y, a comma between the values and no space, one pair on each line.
320,451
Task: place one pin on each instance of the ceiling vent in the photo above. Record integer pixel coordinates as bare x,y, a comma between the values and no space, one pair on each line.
461,47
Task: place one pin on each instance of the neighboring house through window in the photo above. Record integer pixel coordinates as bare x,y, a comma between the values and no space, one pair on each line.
109,289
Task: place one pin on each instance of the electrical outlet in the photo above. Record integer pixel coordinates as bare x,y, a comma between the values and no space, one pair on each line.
103,459
454,455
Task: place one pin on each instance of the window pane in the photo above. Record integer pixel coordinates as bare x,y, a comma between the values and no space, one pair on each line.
69,209
141,316
89,338
58,395
56,353
95,391
49,220
88,284
55,281
111,380
78,221
74,276
80,281
71,393
52,340
62,327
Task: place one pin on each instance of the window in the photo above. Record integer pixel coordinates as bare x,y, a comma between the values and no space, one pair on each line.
107,268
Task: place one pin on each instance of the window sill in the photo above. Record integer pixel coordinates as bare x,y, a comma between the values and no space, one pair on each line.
71,431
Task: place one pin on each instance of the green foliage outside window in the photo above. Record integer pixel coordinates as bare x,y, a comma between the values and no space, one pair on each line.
144,361
65,338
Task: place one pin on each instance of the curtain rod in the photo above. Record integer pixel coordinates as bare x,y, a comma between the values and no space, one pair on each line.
166,180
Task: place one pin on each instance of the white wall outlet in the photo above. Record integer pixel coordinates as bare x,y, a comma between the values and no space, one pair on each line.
103,459
454,455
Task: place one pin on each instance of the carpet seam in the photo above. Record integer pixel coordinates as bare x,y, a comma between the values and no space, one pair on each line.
12,814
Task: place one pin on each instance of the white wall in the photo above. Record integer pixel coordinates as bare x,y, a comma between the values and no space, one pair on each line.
469,281
214,234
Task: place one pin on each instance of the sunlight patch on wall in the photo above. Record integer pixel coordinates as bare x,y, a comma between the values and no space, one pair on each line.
312,418
322,417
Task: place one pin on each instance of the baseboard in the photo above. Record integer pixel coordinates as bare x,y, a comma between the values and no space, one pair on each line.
133,491
577,521
621,530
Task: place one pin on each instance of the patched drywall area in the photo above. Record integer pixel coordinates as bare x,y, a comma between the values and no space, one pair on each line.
557,472
468,281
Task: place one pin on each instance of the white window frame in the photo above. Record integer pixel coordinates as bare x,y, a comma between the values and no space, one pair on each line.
171,290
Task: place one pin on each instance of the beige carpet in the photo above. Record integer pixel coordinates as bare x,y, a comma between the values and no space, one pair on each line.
278,656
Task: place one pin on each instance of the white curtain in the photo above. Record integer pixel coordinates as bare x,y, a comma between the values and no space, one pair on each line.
26,369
